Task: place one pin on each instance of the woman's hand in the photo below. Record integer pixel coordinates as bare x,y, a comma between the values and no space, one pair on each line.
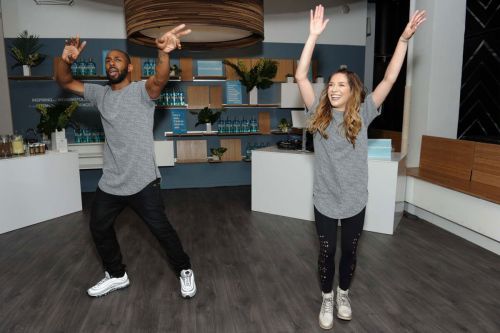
316,24
412,26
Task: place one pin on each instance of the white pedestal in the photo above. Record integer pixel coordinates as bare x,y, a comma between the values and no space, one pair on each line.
38,188
282,184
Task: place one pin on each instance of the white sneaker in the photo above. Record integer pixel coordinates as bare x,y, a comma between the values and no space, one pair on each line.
188,286
343,304
326,312
108,284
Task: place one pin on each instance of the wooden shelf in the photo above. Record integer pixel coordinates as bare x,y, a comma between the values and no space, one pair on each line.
171,78
251,105
31,78
170,134
169,107
191,161
209,78
50,78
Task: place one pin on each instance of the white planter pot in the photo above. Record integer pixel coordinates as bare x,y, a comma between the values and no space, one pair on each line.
252,96
209,127
26,70
58,141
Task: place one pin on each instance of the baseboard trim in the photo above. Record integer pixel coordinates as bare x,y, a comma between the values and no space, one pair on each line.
465,233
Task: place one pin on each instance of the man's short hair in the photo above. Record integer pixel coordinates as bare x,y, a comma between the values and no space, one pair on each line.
125,54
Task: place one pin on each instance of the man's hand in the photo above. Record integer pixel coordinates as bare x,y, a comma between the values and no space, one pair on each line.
170,40
72,49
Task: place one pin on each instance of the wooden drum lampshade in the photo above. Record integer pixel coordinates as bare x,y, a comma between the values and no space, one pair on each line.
215,24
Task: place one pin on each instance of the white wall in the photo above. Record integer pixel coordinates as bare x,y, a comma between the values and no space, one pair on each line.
92,19
283,22
436,73
288,21
6,126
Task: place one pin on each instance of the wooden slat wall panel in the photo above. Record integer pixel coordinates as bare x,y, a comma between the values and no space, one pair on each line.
136,74
486,168
198,97
447,156
285,66
265,122
186,66
233,152
191,150
231,73
216,97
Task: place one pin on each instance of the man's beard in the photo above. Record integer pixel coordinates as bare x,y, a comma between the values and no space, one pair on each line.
120,78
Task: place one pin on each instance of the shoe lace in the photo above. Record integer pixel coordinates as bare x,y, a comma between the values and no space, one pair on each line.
103,280
186,279
344,300
327,305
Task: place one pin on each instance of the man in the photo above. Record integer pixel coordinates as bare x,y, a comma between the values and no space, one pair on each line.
130,175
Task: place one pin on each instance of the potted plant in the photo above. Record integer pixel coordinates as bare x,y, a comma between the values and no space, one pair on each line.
207,116
53,120
259,76
25,51
175,71
217,153
284,125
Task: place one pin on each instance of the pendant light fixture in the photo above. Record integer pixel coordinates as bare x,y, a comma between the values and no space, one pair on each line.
215,24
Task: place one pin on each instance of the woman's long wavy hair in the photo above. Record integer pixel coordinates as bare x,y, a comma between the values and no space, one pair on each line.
352,119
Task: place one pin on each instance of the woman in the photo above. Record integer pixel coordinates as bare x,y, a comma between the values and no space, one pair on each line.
339,119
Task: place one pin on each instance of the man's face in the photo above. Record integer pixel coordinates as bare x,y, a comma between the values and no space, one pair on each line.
116,67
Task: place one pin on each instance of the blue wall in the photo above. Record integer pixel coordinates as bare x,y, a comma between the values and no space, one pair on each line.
25,116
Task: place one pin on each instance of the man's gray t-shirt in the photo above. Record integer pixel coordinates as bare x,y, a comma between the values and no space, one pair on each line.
341,170
127,117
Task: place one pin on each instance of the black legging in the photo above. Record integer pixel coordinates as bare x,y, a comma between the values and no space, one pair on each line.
351,229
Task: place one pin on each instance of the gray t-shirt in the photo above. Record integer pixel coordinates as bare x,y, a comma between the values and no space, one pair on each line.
127,117
340,170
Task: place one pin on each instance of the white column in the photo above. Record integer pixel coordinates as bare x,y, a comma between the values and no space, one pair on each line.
435,73
5,111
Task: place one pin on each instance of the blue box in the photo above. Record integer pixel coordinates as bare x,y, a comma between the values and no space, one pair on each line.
379,148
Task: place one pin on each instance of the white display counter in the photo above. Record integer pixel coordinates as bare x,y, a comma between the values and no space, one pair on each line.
38,188
282,184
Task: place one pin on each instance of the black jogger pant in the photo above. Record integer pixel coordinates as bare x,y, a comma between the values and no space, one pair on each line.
326,228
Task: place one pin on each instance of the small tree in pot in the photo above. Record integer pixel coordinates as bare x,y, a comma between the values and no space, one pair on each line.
25,51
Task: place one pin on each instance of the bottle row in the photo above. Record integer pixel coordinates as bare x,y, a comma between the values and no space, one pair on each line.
84,68
227,126
86,135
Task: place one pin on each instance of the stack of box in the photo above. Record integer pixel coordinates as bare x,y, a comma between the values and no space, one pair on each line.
379,148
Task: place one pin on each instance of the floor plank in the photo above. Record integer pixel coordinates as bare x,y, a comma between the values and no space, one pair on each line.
255,273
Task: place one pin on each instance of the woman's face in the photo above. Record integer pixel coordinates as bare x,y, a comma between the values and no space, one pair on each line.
339,91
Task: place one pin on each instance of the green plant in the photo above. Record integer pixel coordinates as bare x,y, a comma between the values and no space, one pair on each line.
25,50
284,125
218,152
259,76
55,116
177,71
207,115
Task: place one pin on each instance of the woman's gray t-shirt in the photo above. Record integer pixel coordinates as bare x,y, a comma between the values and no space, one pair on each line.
127,117
341,170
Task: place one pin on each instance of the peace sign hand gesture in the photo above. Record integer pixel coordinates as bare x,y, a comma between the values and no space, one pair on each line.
412,26
316,22
170,40
72,49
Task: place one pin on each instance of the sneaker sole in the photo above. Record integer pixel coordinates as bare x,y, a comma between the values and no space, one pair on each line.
188,294
326,327
344,318
119,287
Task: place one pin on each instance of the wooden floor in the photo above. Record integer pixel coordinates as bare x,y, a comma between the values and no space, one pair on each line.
255,273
